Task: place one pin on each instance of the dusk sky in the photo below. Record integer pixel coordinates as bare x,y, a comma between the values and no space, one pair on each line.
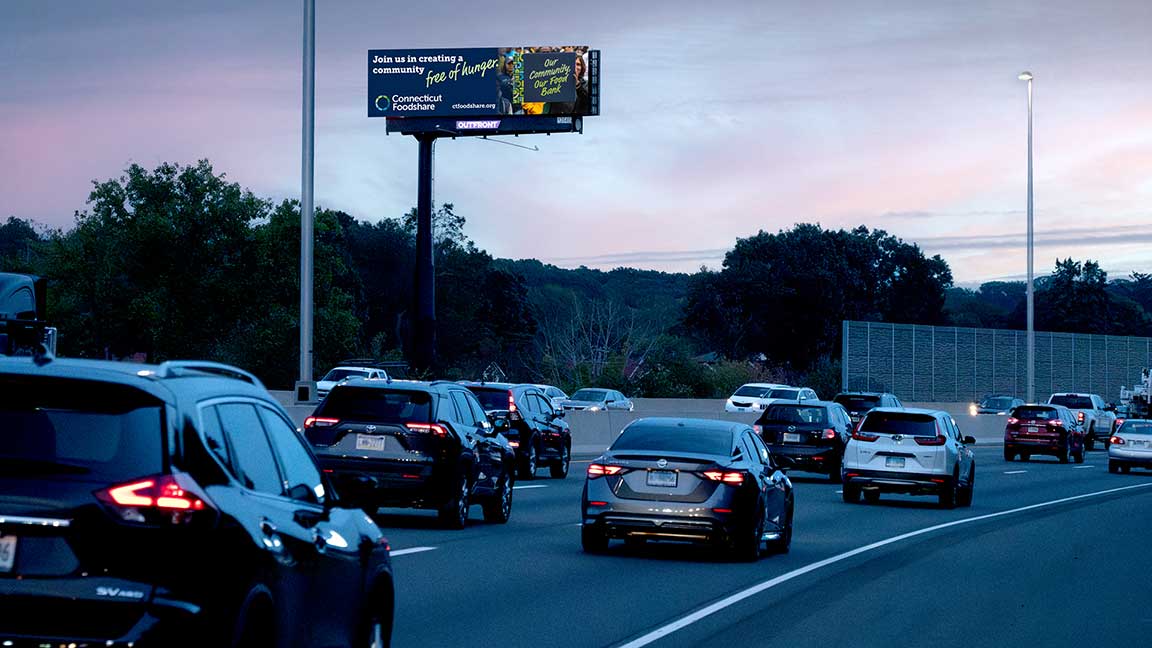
719,119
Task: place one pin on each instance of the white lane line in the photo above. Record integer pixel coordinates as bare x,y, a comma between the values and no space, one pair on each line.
839,492
1015,472
411,550
527,487
729,601
1083,467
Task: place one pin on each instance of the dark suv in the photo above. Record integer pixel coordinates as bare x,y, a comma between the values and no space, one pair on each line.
533,427
858,403
1043,430
415,444
809,436
173,505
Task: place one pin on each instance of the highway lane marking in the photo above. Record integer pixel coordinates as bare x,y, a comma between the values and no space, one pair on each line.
733,599
411,550
1015,472
532,486
1083,467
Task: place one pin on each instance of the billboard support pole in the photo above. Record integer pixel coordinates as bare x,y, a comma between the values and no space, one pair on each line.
424,324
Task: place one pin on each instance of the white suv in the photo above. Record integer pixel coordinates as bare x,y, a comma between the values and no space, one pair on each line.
910,451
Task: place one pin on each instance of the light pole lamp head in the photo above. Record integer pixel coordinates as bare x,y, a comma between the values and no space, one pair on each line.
1024,76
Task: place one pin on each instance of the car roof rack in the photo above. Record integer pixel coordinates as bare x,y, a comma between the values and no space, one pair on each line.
173,368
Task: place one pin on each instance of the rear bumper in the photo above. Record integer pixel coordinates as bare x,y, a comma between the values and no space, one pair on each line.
1038,446
807,458
897,482
1129,457
388,483
726,511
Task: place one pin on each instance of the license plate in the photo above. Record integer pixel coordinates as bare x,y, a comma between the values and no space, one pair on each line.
1033,429
792,438
664,478
894,462
369,442
1139,444
7,553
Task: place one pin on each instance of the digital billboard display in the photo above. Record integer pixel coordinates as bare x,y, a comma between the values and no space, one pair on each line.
483,82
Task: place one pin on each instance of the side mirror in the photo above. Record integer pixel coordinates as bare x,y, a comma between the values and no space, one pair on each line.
557,414
969,440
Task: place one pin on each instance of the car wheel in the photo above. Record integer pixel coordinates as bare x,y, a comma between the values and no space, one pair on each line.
784,544
745,546
1063,455
499,508
454,512
1125,468
964,495
592,540
376,628
1024,456
1009,455
851,494
948,494
1078,456
256,627
530,463
872,495
834,474
559,470
1090,440
1113,467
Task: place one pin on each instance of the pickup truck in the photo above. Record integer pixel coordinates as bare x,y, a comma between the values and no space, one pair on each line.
1097,417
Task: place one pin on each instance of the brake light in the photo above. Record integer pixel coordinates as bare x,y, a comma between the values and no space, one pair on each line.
431,428
1055,422
830,433
1115,440
759,429
163,498
1119,422
601,470
937,440
725,477
864,436
1080,416
511,402
1012,420
319,421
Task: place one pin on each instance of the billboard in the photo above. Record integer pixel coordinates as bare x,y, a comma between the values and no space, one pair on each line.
483,82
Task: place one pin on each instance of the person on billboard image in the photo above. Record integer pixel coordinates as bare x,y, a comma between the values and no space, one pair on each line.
506,77
583,103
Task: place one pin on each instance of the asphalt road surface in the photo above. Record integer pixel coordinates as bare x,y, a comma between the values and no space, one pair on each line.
1048,555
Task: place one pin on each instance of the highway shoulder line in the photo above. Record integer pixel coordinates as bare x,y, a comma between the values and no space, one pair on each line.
733,599
411,550
1015,472
526,486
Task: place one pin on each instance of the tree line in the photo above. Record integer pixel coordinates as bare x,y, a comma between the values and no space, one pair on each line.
181,262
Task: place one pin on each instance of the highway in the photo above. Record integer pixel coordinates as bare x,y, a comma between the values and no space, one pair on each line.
989,575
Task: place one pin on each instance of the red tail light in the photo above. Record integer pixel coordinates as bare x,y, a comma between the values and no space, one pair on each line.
759,429
1055,422
1119,422
319,421
830,433
937,440
1012,420
431,428
1080,417
511,402
725,477
864,436
163,498
600,470
1115,440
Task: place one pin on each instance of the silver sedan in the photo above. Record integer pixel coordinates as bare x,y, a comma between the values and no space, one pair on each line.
1131,445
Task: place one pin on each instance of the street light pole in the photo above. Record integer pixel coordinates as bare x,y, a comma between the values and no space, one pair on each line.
305,388
1027,76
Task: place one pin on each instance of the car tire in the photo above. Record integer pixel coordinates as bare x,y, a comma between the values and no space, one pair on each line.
499,508
746,546
964,495
1090,439
1078,456
530,463
784,544
256,625
851,494
1024,456
454,512
1009,455
1062,456
834,473
872,495
949,493
376,626
1113,467
593,540
1125,468
559,470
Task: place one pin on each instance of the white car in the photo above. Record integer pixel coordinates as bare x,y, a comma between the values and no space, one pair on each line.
777,394
595,399
1131,446
555,395
339,374
909,451
752,397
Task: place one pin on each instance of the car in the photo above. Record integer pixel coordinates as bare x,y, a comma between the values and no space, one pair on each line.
751,397
524,415
173,505
911,451
1043,430
858,403
997,404
555,395
339,374
595,399
1131,446
688,480
1097,417
807,436
400,443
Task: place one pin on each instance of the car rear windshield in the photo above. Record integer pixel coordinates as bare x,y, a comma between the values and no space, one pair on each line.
784,393
79,429
491,399
751,392
341,374
996,403
1071,401
1136,427
794,414
593,395
906,423
380,405
1034,413
669,439
855,403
